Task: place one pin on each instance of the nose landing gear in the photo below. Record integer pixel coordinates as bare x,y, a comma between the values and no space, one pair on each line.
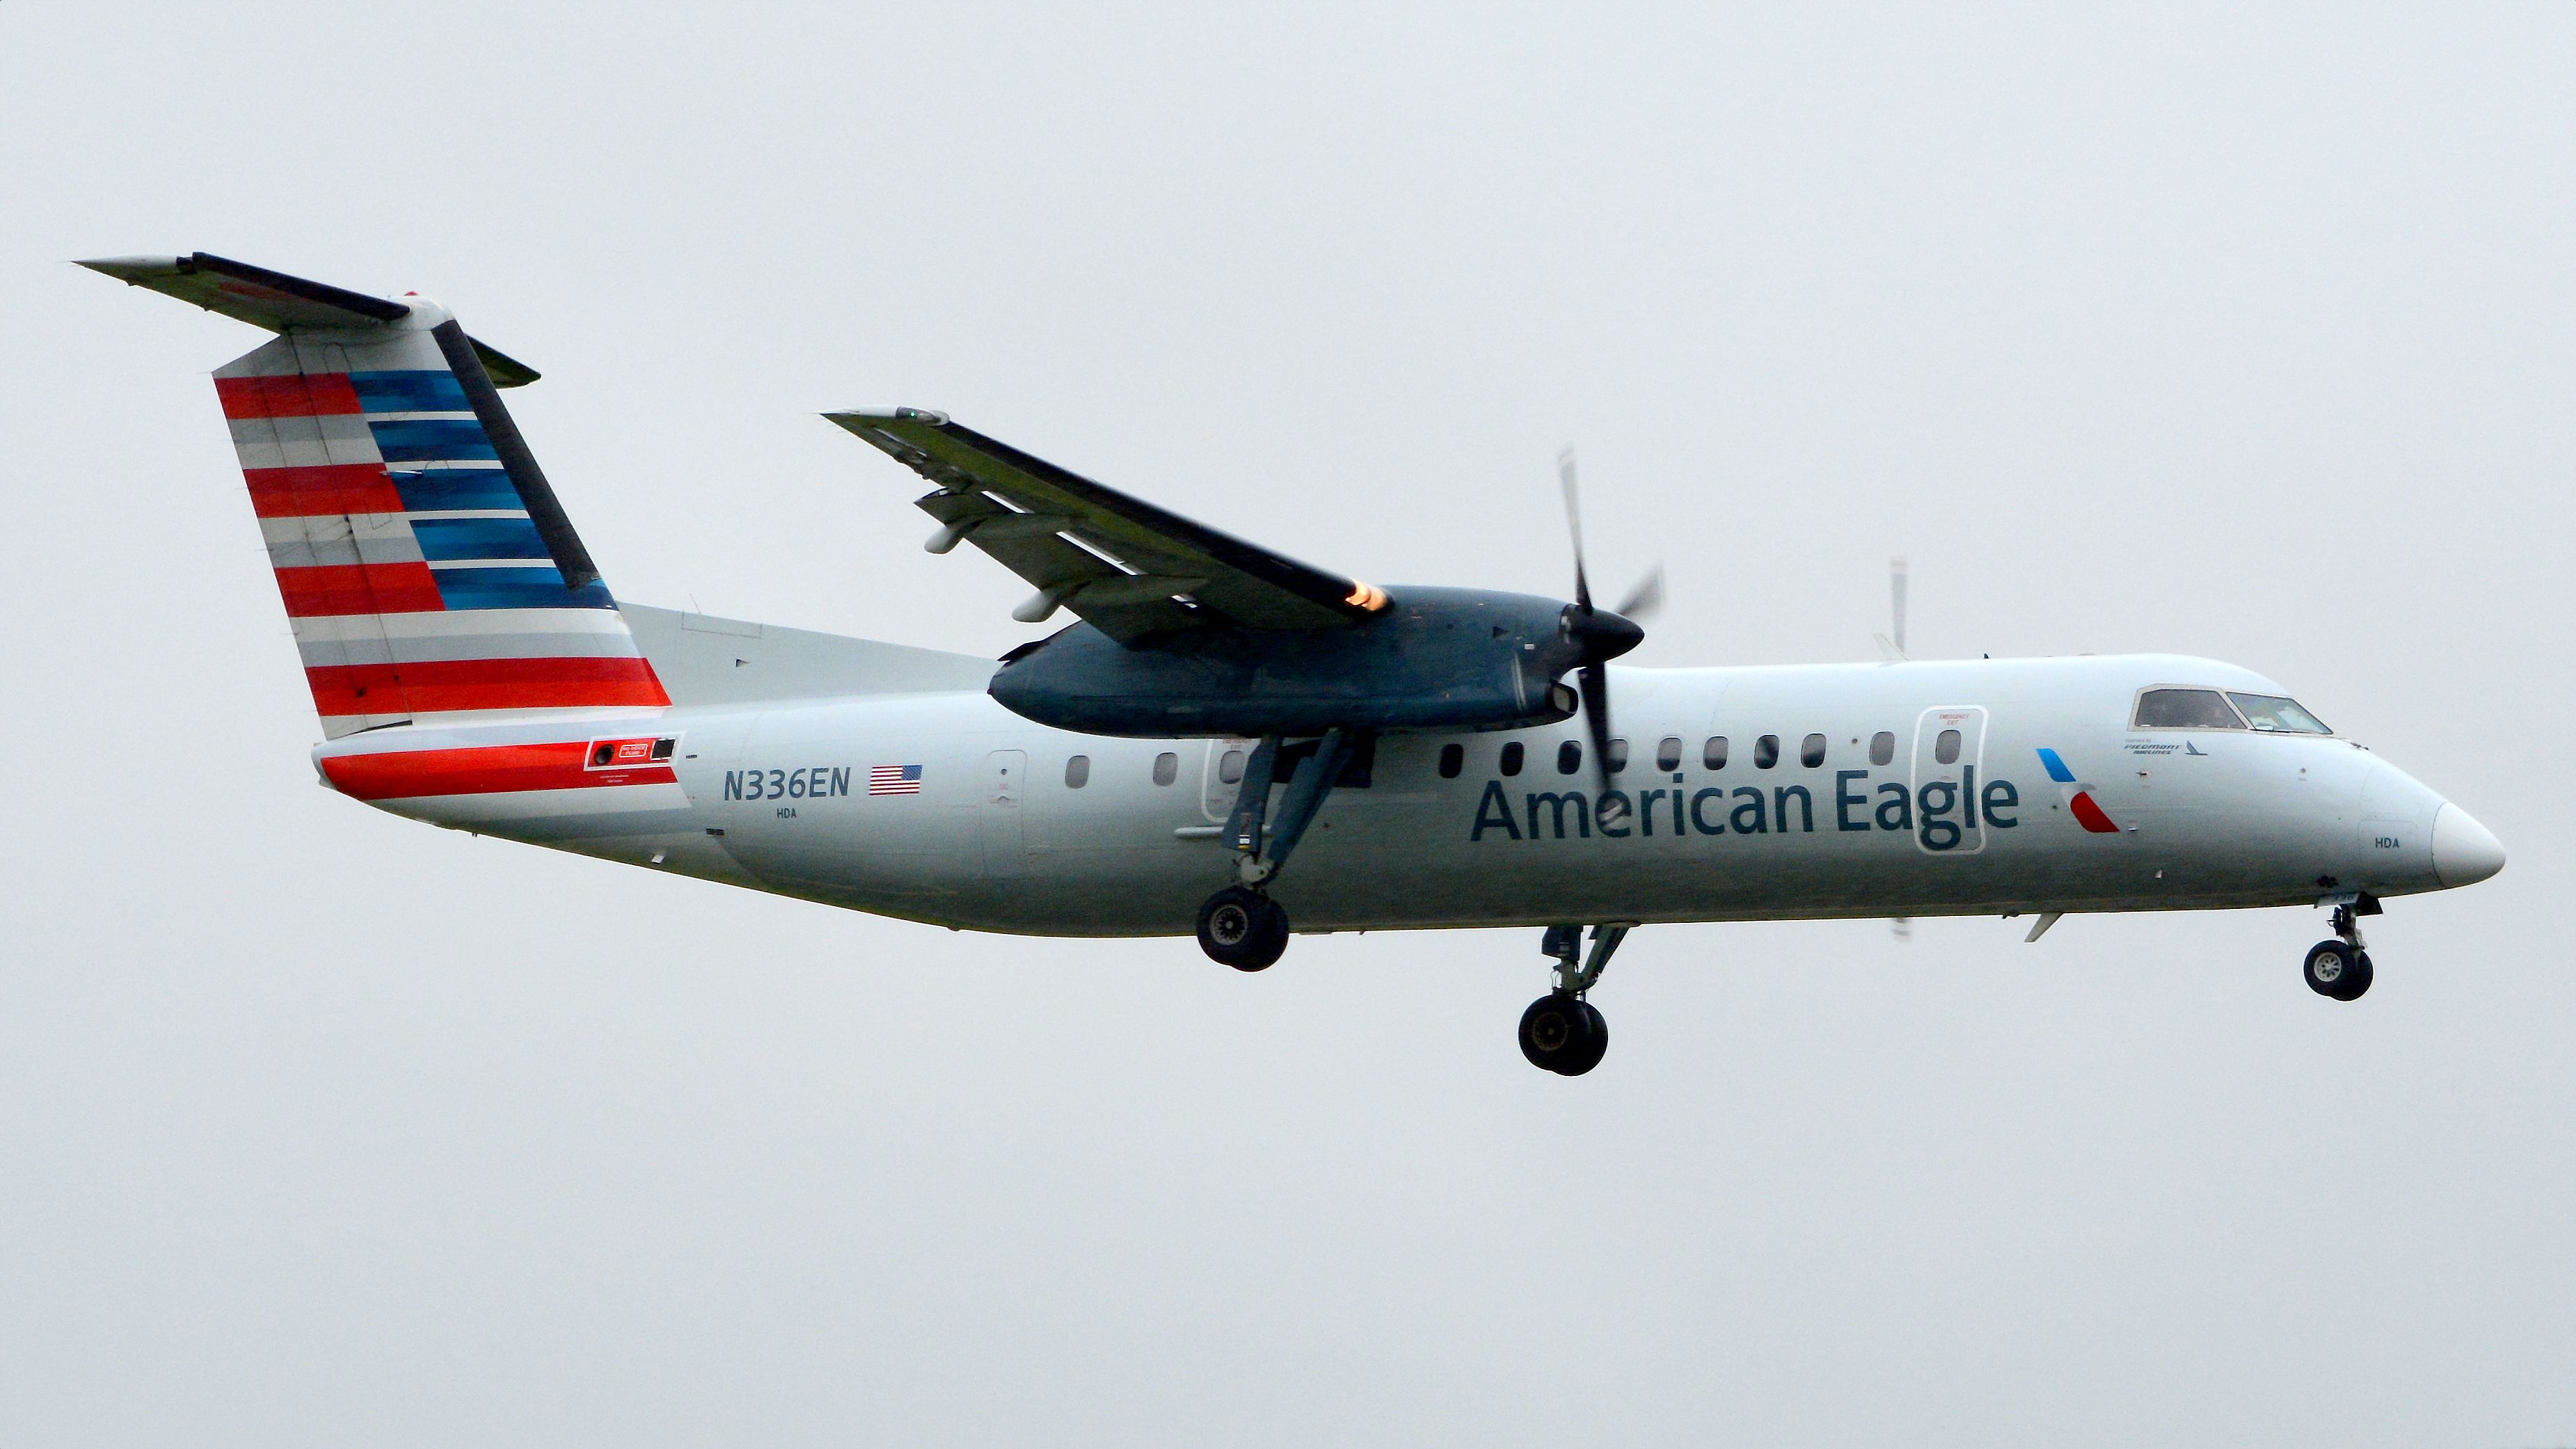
2340,968
1563,1035
1561,1032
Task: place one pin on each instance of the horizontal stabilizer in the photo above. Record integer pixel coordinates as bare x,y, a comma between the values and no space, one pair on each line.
282,303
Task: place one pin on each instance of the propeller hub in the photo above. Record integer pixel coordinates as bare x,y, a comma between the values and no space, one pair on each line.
1603,635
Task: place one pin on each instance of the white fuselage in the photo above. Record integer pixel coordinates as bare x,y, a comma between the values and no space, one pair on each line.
776,796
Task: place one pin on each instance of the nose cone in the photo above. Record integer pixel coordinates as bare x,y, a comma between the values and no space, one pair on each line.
2464,852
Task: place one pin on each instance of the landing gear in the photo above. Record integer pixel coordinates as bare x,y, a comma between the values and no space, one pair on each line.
1242,929
2335,969
2340,968
1241,925
1561,1032
1563,1035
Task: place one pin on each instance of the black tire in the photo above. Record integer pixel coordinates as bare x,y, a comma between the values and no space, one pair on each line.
2330,968
1599,1043
1562,1035
1242,929
2357,980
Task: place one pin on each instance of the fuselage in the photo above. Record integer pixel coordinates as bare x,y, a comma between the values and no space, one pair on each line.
1927,788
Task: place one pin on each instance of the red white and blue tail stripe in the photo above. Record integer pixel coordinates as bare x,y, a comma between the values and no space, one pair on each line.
429,572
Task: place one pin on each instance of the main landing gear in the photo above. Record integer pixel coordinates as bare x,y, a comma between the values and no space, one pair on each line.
1561,1031
1241,925
2340,968
1242,928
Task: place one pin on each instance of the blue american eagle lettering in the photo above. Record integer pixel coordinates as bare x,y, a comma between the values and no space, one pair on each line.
1938,812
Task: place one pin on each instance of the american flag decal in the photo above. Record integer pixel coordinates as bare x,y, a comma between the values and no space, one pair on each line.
894,779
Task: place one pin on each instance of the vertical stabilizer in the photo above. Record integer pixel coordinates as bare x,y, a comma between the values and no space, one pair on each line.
424,561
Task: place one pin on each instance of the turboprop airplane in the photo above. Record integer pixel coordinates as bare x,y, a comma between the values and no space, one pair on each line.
1219,713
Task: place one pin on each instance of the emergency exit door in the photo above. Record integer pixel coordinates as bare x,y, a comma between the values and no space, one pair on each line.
1949,760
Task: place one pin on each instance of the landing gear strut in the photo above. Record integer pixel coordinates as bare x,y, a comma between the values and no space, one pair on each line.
1241,925
2340,968
1561,1031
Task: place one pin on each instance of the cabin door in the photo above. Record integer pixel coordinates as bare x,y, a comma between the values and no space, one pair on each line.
1002,817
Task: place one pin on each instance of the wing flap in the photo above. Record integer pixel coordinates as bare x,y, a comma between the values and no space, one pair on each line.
1064,572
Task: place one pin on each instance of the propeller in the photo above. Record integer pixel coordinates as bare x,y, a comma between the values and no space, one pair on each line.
1896,595
1894,647
1603,634
1903,926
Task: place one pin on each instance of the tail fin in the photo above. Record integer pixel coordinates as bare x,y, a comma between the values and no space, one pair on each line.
430,574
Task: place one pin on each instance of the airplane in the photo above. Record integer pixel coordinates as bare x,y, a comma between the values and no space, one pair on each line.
1424,757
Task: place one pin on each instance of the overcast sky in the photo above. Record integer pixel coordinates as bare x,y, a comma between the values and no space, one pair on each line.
2248,334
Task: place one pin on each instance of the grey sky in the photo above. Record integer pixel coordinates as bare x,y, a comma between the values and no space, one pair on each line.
2237,333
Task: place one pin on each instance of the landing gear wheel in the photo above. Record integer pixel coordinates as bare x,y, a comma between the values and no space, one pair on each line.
1563,1035
1592,1054
1243,929
2336,970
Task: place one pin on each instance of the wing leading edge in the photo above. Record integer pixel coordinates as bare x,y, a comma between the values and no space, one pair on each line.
1125,566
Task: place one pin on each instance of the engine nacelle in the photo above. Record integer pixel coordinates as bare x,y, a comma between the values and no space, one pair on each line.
1462,659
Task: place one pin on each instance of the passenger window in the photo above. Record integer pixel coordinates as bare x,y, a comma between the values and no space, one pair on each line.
1882,747
1617,756
1569,758
1512,758
1945,750
1713,754
1668,755
1766,752
1811,751
1453,758
2277,715
1167,768
1077,772
2184,709
1229,767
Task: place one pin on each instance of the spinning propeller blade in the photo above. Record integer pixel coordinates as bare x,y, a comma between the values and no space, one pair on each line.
1646,599
1896,593
1573,524
1604,633
1903,926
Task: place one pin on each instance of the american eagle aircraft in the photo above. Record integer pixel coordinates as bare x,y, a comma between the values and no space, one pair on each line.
1225,738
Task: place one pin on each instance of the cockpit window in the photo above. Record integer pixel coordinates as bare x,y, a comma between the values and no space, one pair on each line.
2184,709
2275,714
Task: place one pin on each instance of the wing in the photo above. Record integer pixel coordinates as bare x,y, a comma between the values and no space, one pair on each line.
1124,565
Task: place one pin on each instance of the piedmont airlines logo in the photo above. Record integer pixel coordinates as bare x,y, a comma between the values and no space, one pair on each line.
2079,797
